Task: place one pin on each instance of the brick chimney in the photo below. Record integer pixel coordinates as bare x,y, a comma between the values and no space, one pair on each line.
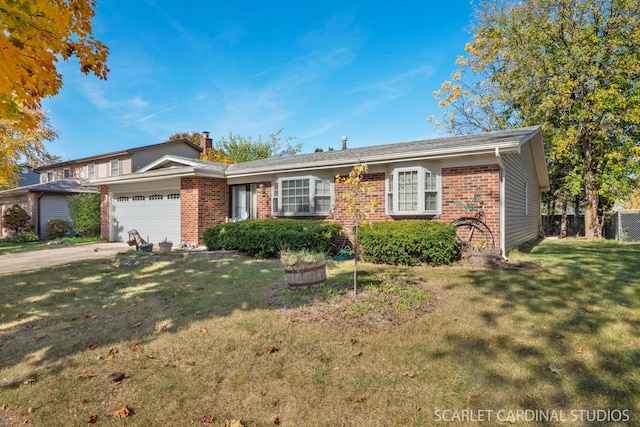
344,142
205,141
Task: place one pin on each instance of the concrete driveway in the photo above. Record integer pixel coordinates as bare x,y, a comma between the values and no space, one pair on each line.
23,261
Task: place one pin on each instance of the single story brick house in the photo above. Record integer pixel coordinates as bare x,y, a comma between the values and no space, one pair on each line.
177,198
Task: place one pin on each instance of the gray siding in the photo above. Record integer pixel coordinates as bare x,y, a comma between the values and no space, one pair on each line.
142,158
52,206
522,217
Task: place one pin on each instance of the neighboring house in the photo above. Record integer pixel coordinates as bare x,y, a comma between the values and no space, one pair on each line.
48,200
43,202
27,176
178,198
118,162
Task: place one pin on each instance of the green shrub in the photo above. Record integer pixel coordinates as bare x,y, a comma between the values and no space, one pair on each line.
57,228
16,219
84,211
409,242
24,237
265,238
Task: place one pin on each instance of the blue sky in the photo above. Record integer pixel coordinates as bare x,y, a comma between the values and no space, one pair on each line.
319,70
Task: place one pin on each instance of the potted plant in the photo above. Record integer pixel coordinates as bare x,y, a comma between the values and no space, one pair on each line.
164,247
304,268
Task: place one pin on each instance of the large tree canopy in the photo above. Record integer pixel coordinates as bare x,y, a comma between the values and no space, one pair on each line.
238,149
572,66
34,36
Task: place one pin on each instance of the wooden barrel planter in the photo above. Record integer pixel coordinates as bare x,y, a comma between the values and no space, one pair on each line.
302,275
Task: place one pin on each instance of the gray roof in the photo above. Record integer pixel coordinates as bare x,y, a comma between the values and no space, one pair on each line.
63,186
451,145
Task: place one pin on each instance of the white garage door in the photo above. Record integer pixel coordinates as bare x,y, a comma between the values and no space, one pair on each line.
155,215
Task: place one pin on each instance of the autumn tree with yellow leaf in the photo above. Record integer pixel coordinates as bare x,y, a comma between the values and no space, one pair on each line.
572,66
357,205
34,36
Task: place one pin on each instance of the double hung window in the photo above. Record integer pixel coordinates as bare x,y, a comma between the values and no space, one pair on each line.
413,191
307,195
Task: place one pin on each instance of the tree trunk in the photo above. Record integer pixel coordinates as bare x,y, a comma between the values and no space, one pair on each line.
563,221
592,228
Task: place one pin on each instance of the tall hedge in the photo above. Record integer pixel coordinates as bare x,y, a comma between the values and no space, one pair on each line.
266,238
84,212
409,242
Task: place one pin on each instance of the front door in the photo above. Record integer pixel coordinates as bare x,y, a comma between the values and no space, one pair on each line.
240,202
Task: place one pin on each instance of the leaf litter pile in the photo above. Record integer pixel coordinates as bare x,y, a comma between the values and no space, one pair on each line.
381,301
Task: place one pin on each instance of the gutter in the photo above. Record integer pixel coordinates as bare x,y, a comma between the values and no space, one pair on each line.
503,215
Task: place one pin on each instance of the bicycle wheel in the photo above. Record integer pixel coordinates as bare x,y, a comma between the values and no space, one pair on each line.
473,233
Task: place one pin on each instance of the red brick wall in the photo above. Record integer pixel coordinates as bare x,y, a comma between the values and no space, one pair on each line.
461,184
204,202
104,211
263,205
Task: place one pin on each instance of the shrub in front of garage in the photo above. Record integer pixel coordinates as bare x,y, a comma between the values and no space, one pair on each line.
266,238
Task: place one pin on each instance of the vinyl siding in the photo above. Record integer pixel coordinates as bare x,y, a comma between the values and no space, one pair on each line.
522,198
142,158
52,207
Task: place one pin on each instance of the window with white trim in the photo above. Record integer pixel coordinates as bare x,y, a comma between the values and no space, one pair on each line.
66,173
50,176
307,195
413,191
114,167
91,171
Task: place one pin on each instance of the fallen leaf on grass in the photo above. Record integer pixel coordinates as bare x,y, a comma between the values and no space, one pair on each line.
555,369
356,353
123,412
272,349
161,328
93,346
275,420
359,399
409,374
91,316
134,347
93,418
30,381
116,377
580,350
234,423
113,350
39,336
204,331
87,375
559,336
208,419
137,324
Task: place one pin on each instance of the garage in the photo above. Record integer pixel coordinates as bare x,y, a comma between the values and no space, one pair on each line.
155,214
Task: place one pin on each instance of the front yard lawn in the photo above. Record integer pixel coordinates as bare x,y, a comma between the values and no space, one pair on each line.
213,339
11,247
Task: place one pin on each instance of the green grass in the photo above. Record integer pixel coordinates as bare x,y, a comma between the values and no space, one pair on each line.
218,338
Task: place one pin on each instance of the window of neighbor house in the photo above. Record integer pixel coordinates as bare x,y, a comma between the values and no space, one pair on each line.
114,166
50,176
413,191
307,195
91,171
66,173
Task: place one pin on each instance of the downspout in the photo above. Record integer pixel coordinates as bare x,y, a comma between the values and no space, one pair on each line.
37,221
503,215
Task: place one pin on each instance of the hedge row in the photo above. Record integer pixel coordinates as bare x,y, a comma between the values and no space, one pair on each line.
409,242
266,238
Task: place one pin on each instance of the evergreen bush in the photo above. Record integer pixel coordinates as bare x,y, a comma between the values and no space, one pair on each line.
410,242
16,219
57,228
265,238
